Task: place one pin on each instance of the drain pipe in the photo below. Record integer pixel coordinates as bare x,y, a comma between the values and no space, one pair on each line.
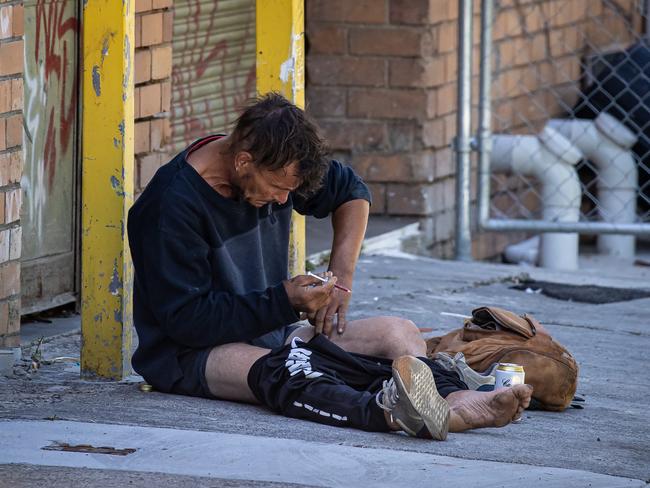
606,142
551,158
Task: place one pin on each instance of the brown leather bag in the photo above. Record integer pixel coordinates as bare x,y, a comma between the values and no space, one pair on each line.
494,335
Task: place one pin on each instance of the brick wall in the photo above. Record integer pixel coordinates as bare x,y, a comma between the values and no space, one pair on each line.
382,85
153,67
11,164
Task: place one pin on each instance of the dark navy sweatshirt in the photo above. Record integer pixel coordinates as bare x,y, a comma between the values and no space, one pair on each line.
208,269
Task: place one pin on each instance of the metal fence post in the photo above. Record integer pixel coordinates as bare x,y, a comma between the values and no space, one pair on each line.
485,113
462,142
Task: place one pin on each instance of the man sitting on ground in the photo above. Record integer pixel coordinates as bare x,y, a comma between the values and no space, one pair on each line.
214,309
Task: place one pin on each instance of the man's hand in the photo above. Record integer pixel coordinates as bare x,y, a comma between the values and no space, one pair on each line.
308,294
323,319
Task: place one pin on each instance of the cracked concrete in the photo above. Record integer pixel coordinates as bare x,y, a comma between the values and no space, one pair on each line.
611,436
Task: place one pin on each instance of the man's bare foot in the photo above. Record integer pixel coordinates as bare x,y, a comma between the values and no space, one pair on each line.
476,409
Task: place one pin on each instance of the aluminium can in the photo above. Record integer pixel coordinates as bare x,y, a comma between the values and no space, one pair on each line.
509,374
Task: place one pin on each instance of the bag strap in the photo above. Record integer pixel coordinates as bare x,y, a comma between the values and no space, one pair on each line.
495,318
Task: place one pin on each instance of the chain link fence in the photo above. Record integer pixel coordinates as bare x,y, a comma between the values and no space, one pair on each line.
570,116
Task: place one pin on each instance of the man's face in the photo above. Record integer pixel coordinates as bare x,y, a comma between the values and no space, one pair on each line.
259,186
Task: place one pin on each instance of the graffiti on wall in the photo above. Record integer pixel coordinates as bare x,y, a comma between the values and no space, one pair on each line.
51,86
214,66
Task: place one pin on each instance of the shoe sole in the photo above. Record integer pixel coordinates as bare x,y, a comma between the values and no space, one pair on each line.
415,380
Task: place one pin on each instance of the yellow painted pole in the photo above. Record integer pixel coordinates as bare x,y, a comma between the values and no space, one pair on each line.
280,37
106,187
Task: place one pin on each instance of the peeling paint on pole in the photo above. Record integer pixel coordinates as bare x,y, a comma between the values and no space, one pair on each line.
107,188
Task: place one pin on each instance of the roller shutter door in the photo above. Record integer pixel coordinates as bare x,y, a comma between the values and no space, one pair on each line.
213,66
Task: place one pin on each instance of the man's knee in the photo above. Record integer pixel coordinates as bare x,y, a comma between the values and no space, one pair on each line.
401,336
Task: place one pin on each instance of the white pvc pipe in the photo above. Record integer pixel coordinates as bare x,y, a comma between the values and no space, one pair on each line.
524,252
606,142
551,158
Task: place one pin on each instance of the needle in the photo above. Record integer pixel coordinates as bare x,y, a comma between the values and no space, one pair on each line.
309,273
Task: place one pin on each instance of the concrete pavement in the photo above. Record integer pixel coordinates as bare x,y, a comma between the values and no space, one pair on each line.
606,444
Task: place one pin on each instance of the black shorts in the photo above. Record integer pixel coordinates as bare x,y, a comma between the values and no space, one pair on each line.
192,363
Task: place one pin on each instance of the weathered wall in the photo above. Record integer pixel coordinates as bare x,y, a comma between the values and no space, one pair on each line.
11,166
382,85
153,68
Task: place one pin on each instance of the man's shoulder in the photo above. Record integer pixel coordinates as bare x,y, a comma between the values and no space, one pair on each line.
168,189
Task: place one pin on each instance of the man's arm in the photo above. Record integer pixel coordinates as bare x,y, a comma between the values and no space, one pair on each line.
349,222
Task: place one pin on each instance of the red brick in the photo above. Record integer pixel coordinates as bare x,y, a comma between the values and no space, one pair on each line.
451,67
166,102
408,199
15,131
15,244
142,137
395,167
168,26
506,24
358,11
326,102
13,202
385,42
14,323
444,224
159,4
5,96
150,100
422,11
390,104
136,103
378,193
445,163
439,11
401,136
327,39
4,320
446,99
148,165
142,65
11,58
161,62
156,136
16,166
417,72
5,241
138,31
332,70
152,29
432,103
6,22
5,170
11,341
3,134
433,133
9,279
17,97
142,6
448,37
19,20
409,11
166,132
353,135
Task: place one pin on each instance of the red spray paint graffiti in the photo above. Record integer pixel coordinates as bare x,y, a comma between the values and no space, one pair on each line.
207,48
54,48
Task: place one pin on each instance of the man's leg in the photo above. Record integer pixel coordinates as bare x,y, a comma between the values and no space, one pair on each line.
227,370
383,336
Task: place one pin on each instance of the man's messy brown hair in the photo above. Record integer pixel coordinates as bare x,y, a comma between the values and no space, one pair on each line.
276,133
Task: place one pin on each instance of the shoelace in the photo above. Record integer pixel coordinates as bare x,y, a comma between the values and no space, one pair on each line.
389,396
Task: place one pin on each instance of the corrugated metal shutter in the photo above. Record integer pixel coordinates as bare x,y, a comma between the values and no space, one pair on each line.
213,66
